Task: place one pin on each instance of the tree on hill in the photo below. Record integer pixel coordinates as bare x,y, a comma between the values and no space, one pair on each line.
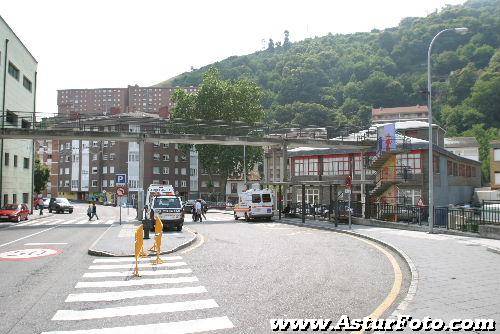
225,100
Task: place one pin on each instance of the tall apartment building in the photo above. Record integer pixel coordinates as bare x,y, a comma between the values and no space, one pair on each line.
17,93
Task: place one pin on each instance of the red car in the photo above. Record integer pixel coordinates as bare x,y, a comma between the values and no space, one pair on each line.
14,212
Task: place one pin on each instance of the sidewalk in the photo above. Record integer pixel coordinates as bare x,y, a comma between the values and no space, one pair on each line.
119,240
453,276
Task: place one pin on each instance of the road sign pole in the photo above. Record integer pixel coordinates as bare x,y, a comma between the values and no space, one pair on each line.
121,210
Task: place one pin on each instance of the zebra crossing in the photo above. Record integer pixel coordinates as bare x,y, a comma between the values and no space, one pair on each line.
65,221
167,299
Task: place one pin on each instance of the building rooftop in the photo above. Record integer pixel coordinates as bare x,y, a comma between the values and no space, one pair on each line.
460,142
398,110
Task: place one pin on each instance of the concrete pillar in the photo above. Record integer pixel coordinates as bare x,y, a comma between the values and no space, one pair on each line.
266,170
284,174
274,166
140,194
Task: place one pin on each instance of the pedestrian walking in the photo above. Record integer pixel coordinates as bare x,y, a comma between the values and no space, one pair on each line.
198,209
203,208
40,205
151,216
89,212
94,211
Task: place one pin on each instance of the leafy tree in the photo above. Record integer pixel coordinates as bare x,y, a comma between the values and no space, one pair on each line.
485,93
286,40
270,45
484,136
41,177
228,101
461,83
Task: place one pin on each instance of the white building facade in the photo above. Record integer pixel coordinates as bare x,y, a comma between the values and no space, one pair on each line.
17,105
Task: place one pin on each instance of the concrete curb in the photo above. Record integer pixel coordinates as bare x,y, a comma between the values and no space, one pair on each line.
94,252
412,289
493,250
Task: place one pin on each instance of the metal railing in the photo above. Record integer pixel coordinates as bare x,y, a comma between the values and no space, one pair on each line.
411,214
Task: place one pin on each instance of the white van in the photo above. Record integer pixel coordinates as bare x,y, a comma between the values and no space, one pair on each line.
166,205
254,204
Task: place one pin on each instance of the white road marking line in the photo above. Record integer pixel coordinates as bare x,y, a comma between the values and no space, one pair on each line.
101,274
40,222
110,296
110,221
131,259
69,221
45,243
178,327
146,281
28,236
84,221
123,311
141,265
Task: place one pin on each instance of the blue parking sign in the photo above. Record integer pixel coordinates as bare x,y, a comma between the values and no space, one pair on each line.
121,179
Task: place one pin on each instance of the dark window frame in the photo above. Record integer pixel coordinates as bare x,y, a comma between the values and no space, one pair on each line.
27,84
13,71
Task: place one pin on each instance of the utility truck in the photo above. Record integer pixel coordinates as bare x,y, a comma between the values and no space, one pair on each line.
254,204
166,205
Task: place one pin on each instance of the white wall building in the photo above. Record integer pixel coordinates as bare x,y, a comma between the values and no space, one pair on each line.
466,147
17,105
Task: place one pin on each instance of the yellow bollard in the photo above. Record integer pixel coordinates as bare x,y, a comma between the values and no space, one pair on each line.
158,235
139,248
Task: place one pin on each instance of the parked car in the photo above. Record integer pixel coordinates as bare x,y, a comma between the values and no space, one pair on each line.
14,212
188,206
60,205
46,202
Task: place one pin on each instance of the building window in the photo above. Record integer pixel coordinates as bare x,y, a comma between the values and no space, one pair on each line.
435,162
14,198
13,71
455,169
111,183
15,160
411,160
156,145
94,183
312,196
68,146
25,198
105,169
467,171
496,154
66,170
105,143
176,158
204,184
166,157
156,170
216,184
335,166
409,196
6,159
5,199
66,183
94,170
61,171
26,163
94,157
461,170
104,183
449,167
183,184
156,157
176,171
112,156
104,157
165,145
166,170
183,171
176,183
234,188
111,169
27,83
473,171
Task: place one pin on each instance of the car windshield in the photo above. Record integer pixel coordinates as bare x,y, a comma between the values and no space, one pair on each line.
166,203
62,201
255,198
11,207
266,198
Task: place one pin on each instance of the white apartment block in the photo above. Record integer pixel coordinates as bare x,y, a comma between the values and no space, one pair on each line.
17,105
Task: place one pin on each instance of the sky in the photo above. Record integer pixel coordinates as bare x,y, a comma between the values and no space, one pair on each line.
115,43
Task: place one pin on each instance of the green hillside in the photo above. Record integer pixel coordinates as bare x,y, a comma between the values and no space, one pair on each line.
335,80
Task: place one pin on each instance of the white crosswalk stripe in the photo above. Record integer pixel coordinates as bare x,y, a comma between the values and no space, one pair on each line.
141,265
145,281
141,298
131,259
119,295
178,327
102,274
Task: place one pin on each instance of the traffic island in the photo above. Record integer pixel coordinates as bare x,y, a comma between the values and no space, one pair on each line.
119,240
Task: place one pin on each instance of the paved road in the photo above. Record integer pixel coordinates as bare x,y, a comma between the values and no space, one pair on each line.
239,277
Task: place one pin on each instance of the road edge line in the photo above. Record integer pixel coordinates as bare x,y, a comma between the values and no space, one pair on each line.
91,251
412,288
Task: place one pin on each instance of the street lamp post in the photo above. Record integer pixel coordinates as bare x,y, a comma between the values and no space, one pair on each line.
429,106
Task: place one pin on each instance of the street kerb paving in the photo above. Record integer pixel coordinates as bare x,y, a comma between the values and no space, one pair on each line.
119,240
453,276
